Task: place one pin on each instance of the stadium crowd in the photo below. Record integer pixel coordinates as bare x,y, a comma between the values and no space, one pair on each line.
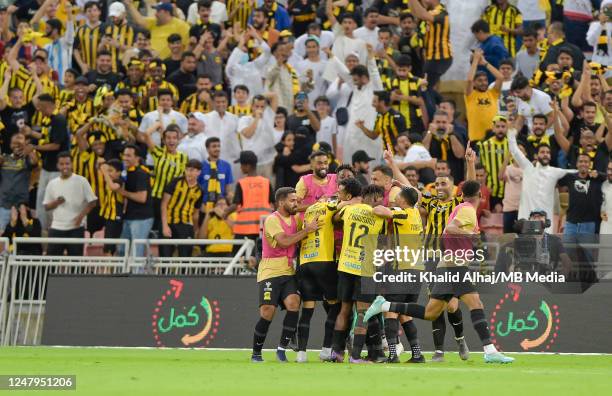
184,119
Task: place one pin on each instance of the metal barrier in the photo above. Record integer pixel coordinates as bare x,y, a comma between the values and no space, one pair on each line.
200,265
26,282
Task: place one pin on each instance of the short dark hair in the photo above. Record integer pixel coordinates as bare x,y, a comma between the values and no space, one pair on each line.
104,52
415,137
220,94
541,117
480,166
283,193
507,62
204,4
543,145
163,92
384,169
194,163
404,61
384,97
64,154
316,154
345,167
565,51
347,15
410,168
584,155
450,102
385,29
123,91
470,188
352,187
519,82
212,140
373,189
410,195
241,87
174,37
187,54
115,163
145,32
406,15
370,10
90,4
132,146
530,32
589,104
323,99
481,26
360,71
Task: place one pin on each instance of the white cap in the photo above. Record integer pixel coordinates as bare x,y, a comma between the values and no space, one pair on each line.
116,9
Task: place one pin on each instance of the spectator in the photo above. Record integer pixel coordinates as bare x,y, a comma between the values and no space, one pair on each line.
506,68
557,41
492,153
280,125
577,15
184,78
88,38
281,78
242,105
211,57
161,118
598,36
406,95
411,42
481,102
118,35
15,170
310,70
493,50
173,62
201,99
241,69
512,176
279,17
204,25
216,226
103,73
528,57
156,85
111,208
345,42
324,39
533,13
161,26
224,125
70,199
450,107
60,48
361,164
256,132
304,123
15,113
389,122
328,131
444,144
539,181
253,198
138,213
192,143
288,162
180,209
369,31
52,140
216,174
23,225
506,22
531,101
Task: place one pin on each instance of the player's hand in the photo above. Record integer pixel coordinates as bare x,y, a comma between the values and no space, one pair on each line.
167,231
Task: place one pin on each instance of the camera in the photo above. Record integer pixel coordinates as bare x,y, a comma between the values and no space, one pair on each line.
531,250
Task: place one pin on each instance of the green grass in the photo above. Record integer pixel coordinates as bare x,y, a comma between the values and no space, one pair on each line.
172,372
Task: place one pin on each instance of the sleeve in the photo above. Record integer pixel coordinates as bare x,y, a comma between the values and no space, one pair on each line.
399,213
263,58
244,122
157,152
594,32
565,181
517,154
150,22
272,228
170,187
300,189
438,16
238,195
400,122
466,217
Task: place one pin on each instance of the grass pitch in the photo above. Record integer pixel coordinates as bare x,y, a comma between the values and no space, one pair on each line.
172,372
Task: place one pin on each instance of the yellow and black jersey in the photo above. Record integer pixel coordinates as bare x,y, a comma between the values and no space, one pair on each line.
50,87
93,174
124,35
106,130
408,87
219,228
79,112
138,90
111,208
86,40
437,217
389,126
241,10
66,96
437,38
349,8
37,119
359,225
492,153
192,103
184,201
151,104
511,18
22,79
3,66
166,167
240,111
407,232
386,71
318,246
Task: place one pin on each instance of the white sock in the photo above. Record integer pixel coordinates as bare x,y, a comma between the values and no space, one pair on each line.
281,349
490,348
326,350
386,306
439,351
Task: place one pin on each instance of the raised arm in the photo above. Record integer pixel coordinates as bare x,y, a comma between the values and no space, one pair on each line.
419,11
517,154
137,17
469,87
470,160
329,12
4,88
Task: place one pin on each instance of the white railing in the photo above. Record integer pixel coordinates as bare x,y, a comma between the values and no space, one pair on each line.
4,245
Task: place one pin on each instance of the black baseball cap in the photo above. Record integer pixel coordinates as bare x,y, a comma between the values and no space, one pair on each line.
247,158
361,156
81,80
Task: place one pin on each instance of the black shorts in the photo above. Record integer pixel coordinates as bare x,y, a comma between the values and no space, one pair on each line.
435,69
318,281
405,292
349,289
95,222
273,291
447,290
112,230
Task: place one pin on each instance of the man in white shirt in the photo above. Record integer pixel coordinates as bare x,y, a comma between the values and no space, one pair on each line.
326,40
224,125
369,31
192,143
164,114
256,132
531,101
539,180
328,129
310,70
364,81
70,199
240,70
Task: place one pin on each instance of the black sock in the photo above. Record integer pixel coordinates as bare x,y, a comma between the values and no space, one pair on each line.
409,309
339,340
374,334
332,314
456,320
411,334
479,322
289,327
358,339
391,329
304,328
259,337
438,330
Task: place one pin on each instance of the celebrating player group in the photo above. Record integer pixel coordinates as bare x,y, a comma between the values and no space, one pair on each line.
317,247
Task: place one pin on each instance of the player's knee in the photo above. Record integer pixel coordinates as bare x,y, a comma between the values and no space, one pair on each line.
453,305
267,311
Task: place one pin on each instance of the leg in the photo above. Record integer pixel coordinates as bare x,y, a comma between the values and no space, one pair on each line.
55,249
304,325
183,231
140,230
455,318
332,314
479,321
359,333
411,334
292,303
434,308
126,233
266,314
391,332
341,328
75,249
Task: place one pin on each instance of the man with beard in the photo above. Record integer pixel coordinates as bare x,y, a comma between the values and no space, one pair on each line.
184,78
81,108
311,188
531,101
539,180
587,143
345,43
103,74
492,153
134,81
539,136
361,165
60,48
118,35
382,176
276,276
446,145
153,88
14,112
585,198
